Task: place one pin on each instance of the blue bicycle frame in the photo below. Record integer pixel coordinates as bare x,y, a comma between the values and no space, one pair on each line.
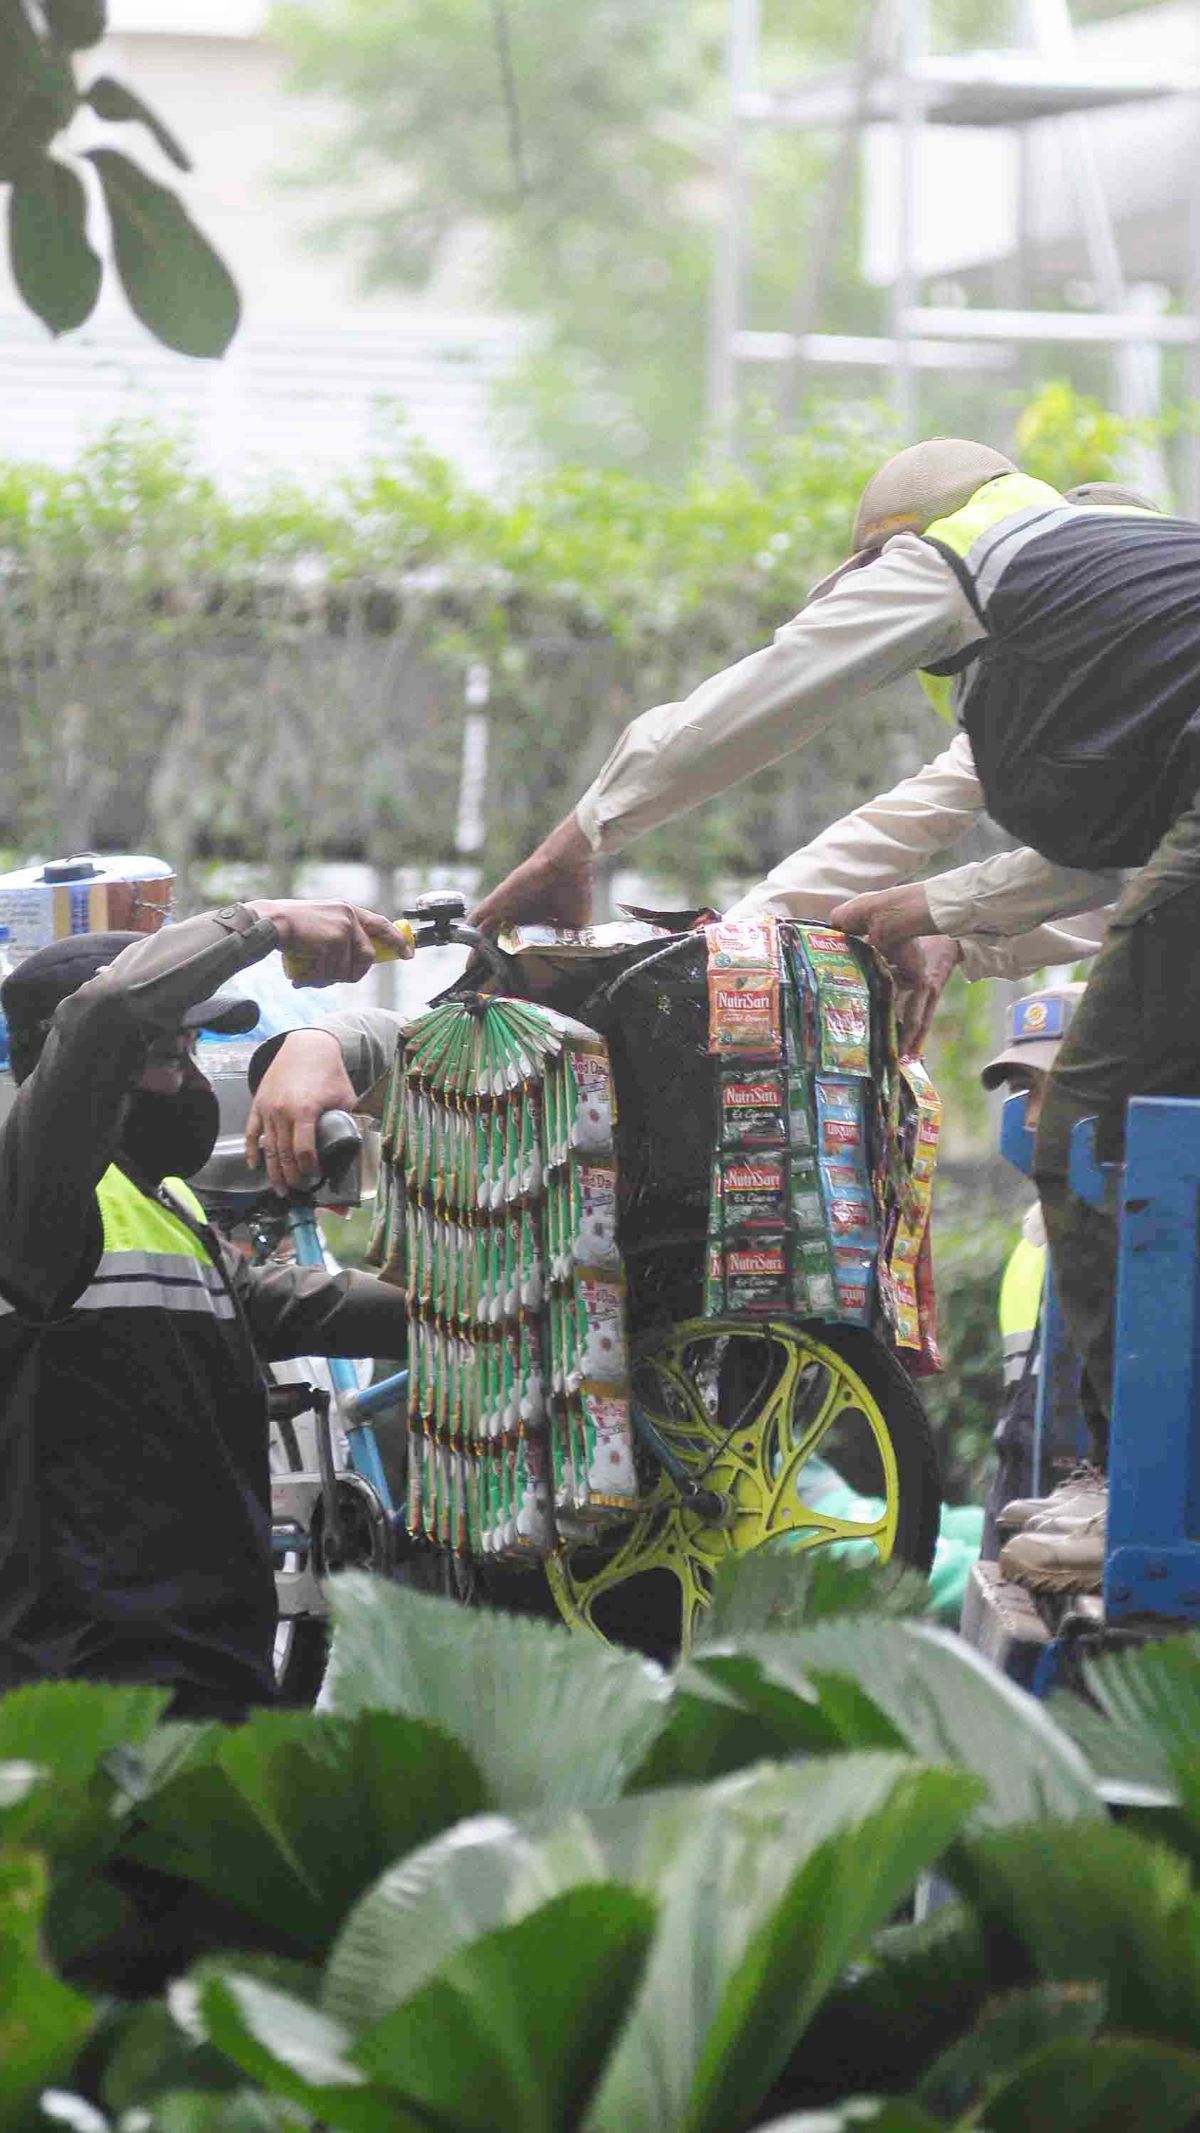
356,1404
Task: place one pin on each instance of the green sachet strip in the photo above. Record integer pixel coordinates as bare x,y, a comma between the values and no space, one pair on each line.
553,1114
391,1144
444,1152
512,1148
458,1058
452,1268
416,1474
425,1059
425,1046
520,1052
533,1140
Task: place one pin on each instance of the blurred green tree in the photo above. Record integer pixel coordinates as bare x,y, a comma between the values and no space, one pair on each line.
583,141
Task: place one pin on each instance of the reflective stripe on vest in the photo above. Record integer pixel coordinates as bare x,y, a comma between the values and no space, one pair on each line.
985,535
150,1258
939,688
983,519
1020,1305
1002,517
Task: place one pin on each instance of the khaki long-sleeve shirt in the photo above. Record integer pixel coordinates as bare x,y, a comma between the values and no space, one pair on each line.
903,612
889,840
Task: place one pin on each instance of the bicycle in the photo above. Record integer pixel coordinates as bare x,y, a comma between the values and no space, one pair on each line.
727,1415
732,1417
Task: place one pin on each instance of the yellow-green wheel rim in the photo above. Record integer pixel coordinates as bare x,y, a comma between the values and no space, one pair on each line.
812,1388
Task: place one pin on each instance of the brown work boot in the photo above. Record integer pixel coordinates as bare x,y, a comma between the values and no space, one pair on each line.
1072,1503
1057,1559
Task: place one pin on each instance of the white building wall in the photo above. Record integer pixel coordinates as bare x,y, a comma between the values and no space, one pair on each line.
967,208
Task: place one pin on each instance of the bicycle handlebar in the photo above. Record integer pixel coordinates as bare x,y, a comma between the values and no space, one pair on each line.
440,918
470,937
338,1142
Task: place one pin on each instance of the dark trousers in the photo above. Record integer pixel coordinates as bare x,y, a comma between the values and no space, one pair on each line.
1136,1033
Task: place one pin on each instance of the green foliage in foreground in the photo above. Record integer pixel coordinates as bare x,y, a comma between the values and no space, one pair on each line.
513,1880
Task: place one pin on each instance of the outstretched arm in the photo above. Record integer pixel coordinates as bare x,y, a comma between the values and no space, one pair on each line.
1005,898
886,841
65,1124
303,1310
906,610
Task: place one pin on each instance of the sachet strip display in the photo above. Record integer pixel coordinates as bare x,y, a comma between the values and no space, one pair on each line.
500,1223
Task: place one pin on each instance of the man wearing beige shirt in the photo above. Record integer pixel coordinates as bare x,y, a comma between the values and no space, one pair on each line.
1068,640
889,840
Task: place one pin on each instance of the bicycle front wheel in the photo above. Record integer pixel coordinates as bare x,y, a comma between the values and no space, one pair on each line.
755,1414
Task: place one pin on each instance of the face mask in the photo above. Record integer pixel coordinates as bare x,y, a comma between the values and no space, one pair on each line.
171,1136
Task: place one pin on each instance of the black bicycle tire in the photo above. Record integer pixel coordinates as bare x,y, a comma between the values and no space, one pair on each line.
903,1410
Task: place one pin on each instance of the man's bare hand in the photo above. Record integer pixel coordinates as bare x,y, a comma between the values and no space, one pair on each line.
922,970
554,885
887,918
306,1076
334,943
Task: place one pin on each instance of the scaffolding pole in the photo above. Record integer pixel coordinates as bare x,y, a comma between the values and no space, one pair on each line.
729,266
911,26
1048,81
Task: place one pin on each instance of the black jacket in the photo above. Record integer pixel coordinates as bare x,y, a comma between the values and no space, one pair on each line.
134,1491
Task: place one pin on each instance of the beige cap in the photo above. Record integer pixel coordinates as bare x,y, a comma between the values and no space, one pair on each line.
1116,495
913,488
927,481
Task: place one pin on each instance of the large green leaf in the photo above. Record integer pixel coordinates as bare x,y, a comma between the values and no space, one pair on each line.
72,1730
174,280
712,1730
942,1700
858,2114
728,1712
297,2054
146,2052
76,23
177,2110
1096,1903
921,1987
200,2111
1110,2085
54,266
17,1781
172,1747
1009,2031
1147,1713
110,99
37,93
291,1817
512,2032
480,1875
774,1588
768,1884
553,1721
1121,1759
42,2023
